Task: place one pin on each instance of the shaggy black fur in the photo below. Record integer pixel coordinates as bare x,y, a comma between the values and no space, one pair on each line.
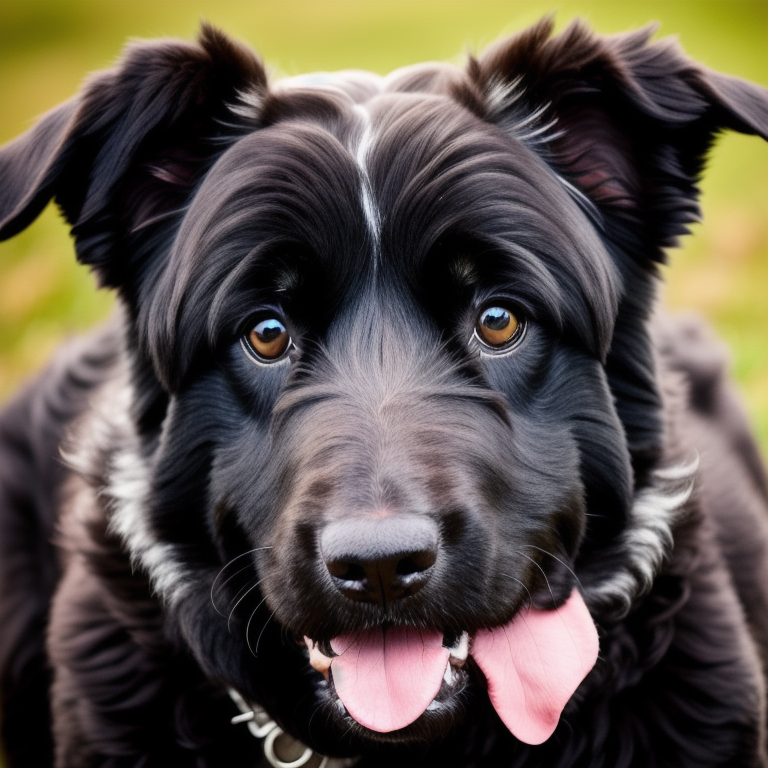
376,219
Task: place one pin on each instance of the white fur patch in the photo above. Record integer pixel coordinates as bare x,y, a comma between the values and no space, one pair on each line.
501,95
108,433
130,488
529,128
372,216
647,540
249,104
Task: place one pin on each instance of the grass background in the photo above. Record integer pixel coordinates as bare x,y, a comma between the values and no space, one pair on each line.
48,46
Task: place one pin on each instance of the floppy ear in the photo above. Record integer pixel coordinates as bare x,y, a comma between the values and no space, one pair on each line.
627,123
630,121
127,152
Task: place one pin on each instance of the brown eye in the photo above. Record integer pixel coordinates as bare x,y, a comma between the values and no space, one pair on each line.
269,339
497,327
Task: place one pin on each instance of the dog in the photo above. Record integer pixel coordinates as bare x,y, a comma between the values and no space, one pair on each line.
388,456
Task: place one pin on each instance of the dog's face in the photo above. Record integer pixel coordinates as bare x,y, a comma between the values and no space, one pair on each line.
390,298
393,394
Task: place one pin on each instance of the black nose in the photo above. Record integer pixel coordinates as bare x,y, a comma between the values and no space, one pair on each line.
380,560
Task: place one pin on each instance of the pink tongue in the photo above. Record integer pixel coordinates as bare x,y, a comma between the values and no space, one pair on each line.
535,663
386,678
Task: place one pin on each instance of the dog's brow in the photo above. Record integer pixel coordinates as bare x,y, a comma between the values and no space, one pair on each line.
286,280
464,270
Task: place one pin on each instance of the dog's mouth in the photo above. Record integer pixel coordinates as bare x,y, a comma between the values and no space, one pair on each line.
387,677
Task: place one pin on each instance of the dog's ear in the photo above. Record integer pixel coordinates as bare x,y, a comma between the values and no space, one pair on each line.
628,122
127,152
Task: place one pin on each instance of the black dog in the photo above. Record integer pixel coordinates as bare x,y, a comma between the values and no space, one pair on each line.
388,393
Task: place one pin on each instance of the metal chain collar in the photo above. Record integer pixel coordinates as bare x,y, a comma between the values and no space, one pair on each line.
280,747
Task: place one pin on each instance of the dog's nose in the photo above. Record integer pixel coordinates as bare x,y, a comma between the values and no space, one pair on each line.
380,560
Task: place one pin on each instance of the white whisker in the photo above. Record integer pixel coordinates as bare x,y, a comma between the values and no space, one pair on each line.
248,628
554,557
549,587
234,607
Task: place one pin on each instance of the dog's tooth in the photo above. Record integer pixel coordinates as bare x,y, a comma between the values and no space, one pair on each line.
317,659
448,674
434,705
460,650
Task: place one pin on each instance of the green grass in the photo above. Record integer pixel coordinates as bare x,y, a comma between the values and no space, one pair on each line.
48,46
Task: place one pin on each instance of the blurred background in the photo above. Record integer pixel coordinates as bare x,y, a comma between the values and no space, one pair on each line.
48,46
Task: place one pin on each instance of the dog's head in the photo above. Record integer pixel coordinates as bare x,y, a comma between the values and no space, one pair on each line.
393,393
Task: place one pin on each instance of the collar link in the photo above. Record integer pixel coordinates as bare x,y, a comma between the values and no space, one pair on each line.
281,750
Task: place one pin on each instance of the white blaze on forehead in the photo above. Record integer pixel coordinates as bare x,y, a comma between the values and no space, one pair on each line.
362,152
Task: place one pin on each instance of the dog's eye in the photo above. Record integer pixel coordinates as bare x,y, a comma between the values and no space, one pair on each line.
498,328
268,340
